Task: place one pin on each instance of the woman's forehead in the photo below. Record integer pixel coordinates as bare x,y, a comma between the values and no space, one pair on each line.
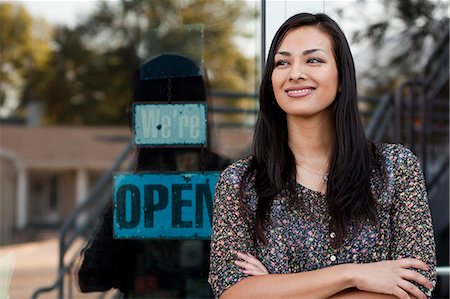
304,38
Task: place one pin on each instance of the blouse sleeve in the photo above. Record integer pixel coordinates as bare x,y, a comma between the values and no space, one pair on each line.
231,232
411,220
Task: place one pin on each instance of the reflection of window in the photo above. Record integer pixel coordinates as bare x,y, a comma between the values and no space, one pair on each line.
53,194
37,185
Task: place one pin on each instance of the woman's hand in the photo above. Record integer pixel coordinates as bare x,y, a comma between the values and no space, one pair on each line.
392,277
386,277
250,265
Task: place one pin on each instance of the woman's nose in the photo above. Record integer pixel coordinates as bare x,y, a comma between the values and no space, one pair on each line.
297,73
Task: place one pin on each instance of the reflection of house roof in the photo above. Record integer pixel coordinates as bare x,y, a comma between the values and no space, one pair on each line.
63,147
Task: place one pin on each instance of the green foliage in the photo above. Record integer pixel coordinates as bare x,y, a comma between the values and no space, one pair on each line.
18,41
119,39
24,50
88,78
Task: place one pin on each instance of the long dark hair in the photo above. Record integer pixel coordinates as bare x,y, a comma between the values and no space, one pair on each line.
352,158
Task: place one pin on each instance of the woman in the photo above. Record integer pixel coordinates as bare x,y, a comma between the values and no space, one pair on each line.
325,212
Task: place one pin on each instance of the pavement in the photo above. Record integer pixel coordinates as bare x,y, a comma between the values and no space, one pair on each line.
28,266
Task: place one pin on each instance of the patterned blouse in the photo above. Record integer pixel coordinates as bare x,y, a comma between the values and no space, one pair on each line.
299,240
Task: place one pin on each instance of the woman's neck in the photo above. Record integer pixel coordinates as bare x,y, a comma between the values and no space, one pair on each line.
310,140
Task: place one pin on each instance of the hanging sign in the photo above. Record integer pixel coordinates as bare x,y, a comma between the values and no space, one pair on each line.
164,206
169,124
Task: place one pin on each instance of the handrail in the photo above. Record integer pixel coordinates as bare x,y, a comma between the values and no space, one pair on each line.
52,287
442,61
441,44
428,104
62,272
443,166
379,115
424,92
375,129
385,125
71,222
398,104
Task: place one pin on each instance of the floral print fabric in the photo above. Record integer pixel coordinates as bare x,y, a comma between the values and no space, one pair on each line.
298,238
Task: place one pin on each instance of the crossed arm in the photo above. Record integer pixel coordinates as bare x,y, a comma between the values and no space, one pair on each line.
399,277
386,279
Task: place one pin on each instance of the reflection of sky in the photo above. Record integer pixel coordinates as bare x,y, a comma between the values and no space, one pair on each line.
60,12
71,12
351,15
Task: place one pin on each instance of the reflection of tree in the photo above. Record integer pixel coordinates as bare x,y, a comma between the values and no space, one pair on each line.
401,38
88,77
24,46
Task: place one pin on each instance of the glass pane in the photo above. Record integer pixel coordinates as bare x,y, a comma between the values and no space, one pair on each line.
185,41
69,75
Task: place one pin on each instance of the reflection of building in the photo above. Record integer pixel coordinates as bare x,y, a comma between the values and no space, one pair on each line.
46,171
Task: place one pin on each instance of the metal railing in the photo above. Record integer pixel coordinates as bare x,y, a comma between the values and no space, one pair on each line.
388,113
93,206
381,119
97,201
419,130
426,90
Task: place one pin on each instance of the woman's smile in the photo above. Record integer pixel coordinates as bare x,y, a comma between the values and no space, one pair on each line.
298,92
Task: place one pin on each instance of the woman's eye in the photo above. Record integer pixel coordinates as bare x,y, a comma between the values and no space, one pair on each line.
314,60
281,62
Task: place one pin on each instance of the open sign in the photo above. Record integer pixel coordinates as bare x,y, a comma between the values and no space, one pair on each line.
169,124
170,206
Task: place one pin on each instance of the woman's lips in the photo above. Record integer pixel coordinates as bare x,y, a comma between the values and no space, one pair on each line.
299,92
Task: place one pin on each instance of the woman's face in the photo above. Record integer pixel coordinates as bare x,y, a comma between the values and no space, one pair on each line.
305,76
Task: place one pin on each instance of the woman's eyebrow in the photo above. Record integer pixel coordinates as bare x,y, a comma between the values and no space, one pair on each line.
284,53
306,52
310,51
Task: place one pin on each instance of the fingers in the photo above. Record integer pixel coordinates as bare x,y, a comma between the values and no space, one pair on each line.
249,268
413,263
417,277
411,289
252,260
246,265
249,259
250,264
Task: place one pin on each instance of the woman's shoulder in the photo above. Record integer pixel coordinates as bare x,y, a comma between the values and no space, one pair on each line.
234,182
235,172
394,153
393,150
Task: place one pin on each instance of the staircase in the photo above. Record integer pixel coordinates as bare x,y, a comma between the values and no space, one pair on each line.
78,229
417,115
